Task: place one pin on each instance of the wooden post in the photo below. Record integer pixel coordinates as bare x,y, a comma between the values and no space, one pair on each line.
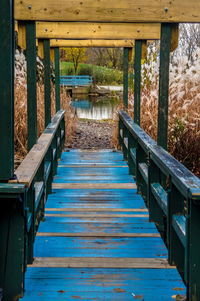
31,83
7,90
57,77
164,85
47,82
137,80
125,78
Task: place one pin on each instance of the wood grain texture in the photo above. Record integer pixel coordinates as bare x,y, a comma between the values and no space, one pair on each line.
98,262
116,31
28,168
96,209
97,234
92,43
96,241
88,215
41,49
109,11
94,186
99,165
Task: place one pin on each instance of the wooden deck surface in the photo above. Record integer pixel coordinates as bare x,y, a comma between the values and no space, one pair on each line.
96,242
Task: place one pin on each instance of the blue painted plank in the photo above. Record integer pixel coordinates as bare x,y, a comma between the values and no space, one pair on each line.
102,284
95,198
99,247
98,284
52,224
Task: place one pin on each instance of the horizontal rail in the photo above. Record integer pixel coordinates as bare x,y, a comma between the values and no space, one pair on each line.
27,170
172,195
22,203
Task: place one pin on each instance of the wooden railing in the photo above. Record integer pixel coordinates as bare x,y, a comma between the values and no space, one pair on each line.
22,203
79,80
172,194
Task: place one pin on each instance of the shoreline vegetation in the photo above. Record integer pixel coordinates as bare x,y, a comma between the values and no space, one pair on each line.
184,108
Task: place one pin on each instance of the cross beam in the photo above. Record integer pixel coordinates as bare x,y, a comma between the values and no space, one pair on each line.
92,43
82,30
109,11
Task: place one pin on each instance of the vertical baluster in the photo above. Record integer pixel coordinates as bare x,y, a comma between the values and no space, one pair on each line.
193,249
31,83
7,90
164,85
57,77
125,77
47,82
137,80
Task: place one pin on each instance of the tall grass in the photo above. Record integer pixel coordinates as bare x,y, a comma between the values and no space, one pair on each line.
184,108
20,137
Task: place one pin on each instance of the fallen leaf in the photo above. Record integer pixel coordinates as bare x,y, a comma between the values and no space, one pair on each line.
138,297
179,297
119,290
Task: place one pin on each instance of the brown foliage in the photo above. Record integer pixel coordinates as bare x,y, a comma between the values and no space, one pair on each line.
184,124
20,138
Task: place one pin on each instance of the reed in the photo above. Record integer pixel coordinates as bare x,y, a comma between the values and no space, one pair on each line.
20,137
184,108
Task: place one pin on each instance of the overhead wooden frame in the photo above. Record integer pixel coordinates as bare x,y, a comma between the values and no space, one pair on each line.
91,30
109,11
92,43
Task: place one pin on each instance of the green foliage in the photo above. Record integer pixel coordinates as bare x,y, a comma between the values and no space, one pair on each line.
178,129
76,56
101,75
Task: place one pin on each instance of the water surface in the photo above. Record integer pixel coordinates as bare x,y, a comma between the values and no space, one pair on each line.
95,108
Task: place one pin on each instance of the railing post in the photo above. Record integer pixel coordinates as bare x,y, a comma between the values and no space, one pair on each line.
47,82
137,80
7,90
164,85
175,207
125,78
193,249
31,83
57,77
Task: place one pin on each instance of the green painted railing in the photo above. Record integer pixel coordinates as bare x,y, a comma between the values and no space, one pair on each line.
172,194
22,203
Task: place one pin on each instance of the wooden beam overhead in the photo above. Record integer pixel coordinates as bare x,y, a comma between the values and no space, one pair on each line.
92,43
82,30
109,11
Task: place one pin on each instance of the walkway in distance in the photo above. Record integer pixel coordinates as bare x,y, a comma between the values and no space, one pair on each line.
96,242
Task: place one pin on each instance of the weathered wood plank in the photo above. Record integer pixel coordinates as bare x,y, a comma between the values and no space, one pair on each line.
88,215
91,165
99,262
94,186
116,31
41,49
109,11
29,166
96,209
92,43
97,234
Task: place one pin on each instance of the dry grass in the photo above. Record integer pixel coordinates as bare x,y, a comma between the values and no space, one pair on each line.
184,117
20,138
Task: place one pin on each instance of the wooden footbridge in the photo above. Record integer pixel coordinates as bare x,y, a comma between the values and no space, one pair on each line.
111,226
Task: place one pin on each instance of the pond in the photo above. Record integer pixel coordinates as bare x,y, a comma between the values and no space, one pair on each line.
95,108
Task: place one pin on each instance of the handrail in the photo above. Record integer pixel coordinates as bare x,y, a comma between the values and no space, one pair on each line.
172,194
27,170
23,201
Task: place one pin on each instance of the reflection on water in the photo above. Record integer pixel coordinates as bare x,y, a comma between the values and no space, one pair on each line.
95,108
